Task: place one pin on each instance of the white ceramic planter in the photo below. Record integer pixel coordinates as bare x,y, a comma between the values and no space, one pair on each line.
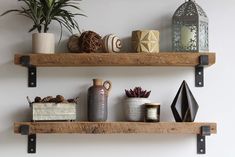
134,109
43,43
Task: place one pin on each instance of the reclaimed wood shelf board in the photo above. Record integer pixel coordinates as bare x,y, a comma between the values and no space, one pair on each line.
113,127
115,59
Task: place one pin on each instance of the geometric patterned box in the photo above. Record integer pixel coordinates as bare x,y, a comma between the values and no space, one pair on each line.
146,41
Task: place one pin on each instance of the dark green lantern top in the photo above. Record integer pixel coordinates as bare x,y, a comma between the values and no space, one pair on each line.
190,28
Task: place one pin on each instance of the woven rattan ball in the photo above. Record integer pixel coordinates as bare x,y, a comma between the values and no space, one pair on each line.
90,42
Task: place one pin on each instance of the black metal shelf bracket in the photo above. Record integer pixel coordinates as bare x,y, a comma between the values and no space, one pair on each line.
32,138
199,70
32,71
201,139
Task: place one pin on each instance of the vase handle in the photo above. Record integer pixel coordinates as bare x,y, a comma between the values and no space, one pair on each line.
107,85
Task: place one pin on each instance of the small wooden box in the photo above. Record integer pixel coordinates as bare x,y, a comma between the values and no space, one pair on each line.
54,111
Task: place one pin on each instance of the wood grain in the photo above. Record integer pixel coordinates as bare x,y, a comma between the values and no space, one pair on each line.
115,59
114,127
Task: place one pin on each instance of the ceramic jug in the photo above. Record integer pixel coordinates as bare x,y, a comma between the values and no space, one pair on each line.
98,100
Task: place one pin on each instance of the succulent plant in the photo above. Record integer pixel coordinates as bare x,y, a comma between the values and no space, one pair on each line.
137,92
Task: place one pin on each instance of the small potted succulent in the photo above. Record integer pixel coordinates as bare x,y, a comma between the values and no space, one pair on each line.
43,13
134,104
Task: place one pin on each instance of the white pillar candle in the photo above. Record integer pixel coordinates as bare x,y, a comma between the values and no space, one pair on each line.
152,113
186,35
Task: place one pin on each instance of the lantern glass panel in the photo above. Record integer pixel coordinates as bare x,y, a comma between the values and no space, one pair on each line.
203,36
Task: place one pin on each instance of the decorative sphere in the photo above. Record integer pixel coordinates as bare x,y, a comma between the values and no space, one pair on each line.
112,43
90,41
73,43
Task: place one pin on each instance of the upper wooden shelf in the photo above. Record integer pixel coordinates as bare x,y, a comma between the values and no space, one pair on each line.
115,59
113,127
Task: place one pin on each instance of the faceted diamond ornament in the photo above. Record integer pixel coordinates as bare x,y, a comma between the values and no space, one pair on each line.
184,106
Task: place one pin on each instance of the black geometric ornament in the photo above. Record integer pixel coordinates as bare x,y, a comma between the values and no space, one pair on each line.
184,106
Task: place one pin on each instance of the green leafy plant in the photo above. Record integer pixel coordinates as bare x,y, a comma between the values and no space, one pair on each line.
43,12
137,92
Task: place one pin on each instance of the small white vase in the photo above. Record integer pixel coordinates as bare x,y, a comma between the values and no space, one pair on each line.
43,43
134,109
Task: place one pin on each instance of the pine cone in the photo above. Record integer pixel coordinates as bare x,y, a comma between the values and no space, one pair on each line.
60,99
47,99
37,99
71,100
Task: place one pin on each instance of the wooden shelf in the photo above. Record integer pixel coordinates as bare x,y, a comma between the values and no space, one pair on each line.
115,59
113,127
197,60
32,128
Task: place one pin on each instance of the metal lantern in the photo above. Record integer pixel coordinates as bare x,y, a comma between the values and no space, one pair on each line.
190,28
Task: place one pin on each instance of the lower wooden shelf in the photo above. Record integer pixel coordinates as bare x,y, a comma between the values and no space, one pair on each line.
32,128
113,127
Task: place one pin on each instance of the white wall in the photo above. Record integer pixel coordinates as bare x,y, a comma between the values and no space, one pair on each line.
121,17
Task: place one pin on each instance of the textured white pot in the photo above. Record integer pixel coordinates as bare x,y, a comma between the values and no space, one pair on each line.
43,43
134,109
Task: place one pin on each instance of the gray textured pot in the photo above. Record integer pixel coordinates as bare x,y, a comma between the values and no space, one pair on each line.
97,100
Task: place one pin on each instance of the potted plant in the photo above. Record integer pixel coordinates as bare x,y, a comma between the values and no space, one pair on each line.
134,104
43,13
